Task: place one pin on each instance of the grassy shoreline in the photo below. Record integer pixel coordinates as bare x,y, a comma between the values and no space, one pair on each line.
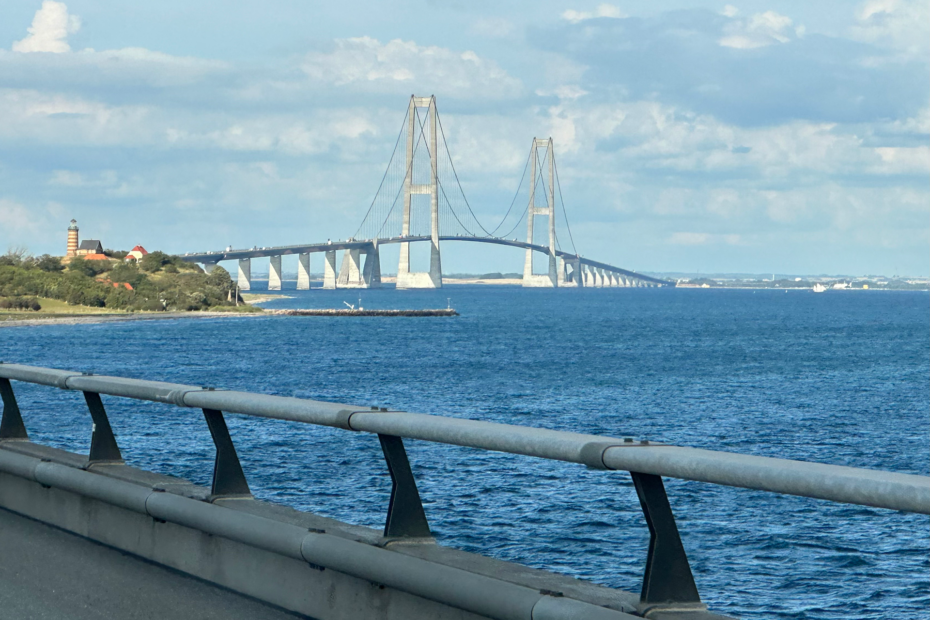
24,319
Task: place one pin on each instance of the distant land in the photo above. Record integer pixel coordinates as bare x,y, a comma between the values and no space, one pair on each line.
696,280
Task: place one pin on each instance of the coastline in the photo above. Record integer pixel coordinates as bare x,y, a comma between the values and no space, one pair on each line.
87,319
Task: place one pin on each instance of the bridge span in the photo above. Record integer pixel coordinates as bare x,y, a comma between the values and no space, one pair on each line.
329,570
421,200
361,264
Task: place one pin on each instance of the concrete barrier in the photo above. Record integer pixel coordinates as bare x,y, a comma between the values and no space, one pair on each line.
298,561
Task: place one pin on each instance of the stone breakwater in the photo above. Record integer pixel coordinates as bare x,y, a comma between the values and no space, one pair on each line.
361,312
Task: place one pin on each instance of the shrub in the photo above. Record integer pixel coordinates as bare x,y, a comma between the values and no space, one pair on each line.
89,268
154,261
219,278
20,303
51,264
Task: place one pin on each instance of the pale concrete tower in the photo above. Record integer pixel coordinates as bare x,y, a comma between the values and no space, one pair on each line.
549,279
433,277
72,239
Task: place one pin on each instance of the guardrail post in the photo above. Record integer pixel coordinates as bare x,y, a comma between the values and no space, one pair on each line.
405,518
103,447
228,479
667,578
11,425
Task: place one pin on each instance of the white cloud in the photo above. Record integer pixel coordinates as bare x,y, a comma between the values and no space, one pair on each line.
492,27
896,24
15,218
603,10
651,136
50,29
90,70
564,91
729,11
344,129
69,178
53,118
404,66
903,160
695,238
758,31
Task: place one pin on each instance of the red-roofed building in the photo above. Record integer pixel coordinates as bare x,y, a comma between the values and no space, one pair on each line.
136,253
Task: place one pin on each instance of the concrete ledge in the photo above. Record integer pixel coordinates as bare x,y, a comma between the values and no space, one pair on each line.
268,552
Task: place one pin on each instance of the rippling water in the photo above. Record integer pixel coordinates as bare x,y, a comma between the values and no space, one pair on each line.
838,378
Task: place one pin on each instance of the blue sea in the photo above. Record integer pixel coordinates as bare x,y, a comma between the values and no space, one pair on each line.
838,378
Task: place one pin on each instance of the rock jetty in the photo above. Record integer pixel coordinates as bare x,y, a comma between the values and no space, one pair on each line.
361,312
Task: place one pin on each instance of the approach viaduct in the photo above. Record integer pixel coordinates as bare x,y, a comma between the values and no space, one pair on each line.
361,264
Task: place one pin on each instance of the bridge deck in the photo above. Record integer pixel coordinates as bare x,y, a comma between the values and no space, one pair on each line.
47,573
265,252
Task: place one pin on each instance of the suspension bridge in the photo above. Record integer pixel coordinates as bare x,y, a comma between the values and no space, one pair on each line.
421,200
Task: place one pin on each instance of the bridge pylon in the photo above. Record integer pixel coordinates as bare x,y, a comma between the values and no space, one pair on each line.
550,279
433,277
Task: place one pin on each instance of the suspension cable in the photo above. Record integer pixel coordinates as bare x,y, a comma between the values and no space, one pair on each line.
407,171
459,182
515,196
386,172
562,201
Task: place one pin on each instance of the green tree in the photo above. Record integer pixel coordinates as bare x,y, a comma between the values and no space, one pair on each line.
154,261
89,268
51,264
219,278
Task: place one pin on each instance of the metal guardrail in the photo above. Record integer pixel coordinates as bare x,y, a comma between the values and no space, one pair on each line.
667,580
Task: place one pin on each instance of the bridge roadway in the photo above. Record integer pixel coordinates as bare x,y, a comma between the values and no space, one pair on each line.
47,573
330,246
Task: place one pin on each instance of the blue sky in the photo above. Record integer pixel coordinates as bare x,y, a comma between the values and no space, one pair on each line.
789,137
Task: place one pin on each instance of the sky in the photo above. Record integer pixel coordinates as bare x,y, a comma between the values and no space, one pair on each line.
786,137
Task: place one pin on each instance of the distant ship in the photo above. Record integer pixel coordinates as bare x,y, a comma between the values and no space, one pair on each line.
819,288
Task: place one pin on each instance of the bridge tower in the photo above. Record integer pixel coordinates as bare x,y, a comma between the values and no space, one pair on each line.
550,279
432,278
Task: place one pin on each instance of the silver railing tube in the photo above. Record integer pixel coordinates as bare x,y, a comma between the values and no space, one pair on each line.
838,483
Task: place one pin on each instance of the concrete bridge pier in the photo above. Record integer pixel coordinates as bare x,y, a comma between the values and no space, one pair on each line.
586,276
209,267
577,273
566,278
350,272
329,269
303,272
371,275
245,274
274,273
